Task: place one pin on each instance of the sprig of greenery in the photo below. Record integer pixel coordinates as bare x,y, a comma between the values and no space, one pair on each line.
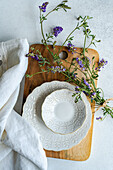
62,5
86,84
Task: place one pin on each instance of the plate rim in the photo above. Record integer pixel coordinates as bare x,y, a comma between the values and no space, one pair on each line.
55,148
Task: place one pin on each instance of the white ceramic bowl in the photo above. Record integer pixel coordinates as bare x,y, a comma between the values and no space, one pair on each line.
60,112
32,114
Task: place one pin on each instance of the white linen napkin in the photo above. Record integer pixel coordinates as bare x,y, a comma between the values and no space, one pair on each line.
20,147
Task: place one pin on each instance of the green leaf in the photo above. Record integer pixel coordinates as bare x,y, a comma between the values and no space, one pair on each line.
32,48
43,70
73,59
49,41
88,17
40,61
93,57
28,76
66,7
56,9
73,95
98,40
65,1
54,43
91,100
93,44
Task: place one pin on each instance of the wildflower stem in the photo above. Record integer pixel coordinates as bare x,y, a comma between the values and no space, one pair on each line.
77,68
92,79
84,46
86,84
89,45
42,27
101,91
44,36
36,73
69,36
51,11
90,75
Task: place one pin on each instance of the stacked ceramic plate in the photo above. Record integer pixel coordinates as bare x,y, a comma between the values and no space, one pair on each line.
52,111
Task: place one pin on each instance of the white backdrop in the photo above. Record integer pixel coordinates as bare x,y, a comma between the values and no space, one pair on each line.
20,19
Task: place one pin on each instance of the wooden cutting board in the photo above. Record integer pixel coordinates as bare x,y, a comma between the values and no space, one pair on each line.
81,151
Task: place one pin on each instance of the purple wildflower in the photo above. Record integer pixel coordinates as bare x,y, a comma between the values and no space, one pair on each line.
86,58
79,61
102,63
87,84
34,56
93,95
57,30
74,75
77,89
29,54
71,48
64,69
99,118
89,59
57,69
85,93
52,69
43,7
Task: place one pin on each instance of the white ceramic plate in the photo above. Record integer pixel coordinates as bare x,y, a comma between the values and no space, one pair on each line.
32,113
61,114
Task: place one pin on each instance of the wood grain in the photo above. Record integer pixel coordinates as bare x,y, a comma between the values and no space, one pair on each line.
81,151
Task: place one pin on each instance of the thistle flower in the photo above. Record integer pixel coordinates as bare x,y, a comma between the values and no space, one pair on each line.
101,64
71,48
57,30
43,7
79,61
57,69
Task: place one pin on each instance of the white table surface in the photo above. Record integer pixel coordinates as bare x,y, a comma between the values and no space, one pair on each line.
20,19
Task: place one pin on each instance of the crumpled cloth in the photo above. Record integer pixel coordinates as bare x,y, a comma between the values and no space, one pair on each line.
20,146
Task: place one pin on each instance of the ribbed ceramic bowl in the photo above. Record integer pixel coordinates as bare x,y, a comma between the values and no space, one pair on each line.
60,112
